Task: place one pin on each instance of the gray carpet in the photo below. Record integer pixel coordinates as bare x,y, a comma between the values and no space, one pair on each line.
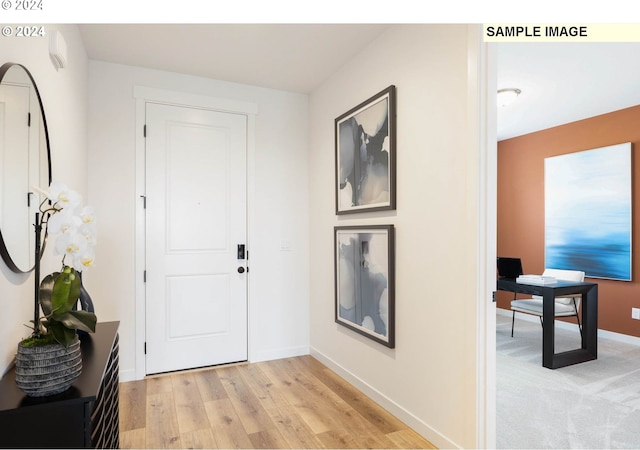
590,405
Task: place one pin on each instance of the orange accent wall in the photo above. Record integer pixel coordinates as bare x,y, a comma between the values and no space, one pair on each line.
521,204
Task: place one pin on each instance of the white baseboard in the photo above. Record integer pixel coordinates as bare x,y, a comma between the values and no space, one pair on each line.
602,334
127,375
279,353
417,424
130,374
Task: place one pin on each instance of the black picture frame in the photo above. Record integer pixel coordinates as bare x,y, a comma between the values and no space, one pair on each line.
364,274
365,159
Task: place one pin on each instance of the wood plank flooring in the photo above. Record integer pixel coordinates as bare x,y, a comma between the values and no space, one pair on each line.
286,403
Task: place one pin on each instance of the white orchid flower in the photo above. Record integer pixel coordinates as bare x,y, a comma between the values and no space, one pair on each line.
88,231
87,215
74,224
63,222
63,197
83,259
71,244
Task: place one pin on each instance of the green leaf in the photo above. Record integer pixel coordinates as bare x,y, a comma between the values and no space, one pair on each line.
62,335
66,290
46,293
59,292
74,291
77,320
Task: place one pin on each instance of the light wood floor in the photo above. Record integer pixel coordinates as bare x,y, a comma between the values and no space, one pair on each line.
287,403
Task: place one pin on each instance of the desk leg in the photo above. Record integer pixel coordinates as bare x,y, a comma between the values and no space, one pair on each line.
590,321
548,329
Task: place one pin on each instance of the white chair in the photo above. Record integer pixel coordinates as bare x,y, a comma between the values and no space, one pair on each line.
564,307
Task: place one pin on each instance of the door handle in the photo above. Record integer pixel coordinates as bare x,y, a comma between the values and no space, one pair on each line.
240,269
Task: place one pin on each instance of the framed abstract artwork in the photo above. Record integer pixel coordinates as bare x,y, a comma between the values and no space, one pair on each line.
365,139
365,281
588,212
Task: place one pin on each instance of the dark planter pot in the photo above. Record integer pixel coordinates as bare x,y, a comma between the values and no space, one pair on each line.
47,369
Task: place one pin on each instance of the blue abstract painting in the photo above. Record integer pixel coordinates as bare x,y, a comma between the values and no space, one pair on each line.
588,212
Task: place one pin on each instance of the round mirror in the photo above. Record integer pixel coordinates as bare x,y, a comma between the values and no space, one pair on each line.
24,163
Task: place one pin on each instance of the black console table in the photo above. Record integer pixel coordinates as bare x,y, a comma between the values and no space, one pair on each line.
84,416
589,307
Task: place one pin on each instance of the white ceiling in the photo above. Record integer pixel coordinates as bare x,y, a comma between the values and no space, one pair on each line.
290,57
563,82
560,83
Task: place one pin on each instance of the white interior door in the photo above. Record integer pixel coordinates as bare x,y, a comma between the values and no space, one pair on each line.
196,283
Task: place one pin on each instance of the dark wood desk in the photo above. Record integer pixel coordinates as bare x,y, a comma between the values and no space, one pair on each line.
589,319
86,415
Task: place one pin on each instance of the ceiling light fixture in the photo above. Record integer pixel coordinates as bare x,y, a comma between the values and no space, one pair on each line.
506,96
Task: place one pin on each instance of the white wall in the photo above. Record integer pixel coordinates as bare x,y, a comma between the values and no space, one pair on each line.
277,210
64,95
429,379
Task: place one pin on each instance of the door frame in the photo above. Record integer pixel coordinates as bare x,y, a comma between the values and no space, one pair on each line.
142,96
482,111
